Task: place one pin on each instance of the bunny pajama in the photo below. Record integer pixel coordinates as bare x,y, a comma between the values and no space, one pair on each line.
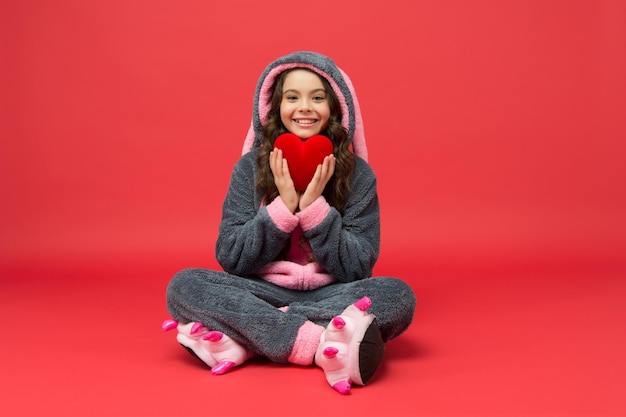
287,275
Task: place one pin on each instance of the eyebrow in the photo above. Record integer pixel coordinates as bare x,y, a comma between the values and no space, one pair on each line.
293,90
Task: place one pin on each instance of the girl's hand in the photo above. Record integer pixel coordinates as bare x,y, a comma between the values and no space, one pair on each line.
323,173
283,180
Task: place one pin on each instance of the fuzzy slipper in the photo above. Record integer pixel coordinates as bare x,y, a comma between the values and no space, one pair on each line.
215,349
351,347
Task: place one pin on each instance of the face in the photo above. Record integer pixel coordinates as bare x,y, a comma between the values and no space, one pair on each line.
304,108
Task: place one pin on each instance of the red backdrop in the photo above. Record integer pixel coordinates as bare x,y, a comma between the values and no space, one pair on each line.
497,132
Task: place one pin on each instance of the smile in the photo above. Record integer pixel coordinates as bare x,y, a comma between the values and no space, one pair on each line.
305,121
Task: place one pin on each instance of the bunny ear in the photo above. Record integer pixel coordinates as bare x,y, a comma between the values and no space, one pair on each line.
358,137
248,143
323,66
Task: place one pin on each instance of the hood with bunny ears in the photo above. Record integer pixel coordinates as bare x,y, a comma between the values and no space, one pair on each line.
324,67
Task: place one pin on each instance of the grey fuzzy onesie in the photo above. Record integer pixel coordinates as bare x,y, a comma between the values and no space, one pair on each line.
262,299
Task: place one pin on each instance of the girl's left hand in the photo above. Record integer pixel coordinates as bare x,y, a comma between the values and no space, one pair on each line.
322,175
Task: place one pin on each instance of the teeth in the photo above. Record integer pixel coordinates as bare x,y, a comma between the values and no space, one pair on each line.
305,122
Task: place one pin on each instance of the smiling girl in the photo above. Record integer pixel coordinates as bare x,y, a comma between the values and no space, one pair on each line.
296,286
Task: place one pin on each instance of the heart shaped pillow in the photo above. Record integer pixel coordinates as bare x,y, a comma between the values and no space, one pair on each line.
303,156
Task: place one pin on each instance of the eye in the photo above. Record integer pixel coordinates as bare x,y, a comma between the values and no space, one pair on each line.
290,97
319,98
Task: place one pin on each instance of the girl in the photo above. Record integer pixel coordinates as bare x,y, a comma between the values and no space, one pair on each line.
296,286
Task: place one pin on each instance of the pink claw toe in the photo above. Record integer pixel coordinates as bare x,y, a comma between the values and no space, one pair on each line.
342,387
338,322
213,336
196,328
363,304
222,367
330,352
169,325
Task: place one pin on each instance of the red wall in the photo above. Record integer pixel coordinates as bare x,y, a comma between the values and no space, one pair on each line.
496,128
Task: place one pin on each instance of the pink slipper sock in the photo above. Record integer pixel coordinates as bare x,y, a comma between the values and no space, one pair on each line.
351,347
215,349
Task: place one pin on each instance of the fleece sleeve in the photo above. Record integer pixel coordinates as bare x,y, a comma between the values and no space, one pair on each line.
248,236
347,246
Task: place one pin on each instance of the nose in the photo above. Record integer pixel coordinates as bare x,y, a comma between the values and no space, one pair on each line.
305,106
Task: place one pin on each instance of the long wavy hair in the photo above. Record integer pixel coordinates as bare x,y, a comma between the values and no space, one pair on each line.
338,187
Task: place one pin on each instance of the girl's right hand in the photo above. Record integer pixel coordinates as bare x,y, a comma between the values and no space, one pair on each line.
282,179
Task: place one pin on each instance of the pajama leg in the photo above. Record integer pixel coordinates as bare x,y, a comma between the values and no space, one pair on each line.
247,309
244,309
393,303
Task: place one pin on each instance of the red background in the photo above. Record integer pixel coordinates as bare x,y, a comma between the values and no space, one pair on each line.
496,130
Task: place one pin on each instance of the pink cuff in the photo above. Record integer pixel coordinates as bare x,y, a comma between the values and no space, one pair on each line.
314,214
306,344
284,219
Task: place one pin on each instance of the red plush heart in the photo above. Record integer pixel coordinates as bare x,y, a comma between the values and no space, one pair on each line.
303,156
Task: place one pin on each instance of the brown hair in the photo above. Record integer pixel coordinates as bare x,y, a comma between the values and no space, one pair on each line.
338,187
